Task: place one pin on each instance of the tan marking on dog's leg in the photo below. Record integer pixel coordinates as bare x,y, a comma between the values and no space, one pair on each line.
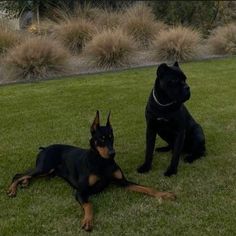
93,179
24,180
24,183
117,174
151,192
13,187
87,222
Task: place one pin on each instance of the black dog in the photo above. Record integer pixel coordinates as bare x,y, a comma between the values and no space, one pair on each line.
169,118
89,171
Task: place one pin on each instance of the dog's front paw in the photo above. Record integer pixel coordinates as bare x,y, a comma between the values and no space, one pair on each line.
87,224
167,196
170,171
190,158
144,168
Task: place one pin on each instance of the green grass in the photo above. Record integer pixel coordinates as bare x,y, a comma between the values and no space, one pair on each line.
61,111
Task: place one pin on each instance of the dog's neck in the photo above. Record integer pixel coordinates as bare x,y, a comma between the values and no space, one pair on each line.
156,99
162,103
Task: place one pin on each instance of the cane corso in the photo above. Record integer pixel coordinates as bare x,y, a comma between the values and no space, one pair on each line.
167,117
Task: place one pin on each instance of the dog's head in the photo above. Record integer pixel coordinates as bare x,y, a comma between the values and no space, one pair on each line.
102,137
171,81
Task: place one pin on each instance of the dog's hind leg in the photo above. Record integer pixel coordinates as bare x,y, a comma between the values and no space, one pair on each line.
24,178
46,163
196,147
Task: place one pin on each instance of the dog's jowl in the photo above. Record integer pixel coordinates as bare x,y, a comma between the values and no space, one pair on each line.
88,171
167,117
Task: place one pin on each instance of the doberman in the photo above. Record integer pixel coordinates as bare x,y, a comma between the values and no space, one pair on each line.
89,171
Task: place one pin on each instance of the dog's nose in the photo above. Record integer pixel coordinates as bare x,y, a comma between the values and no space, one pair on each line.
187,87
112,153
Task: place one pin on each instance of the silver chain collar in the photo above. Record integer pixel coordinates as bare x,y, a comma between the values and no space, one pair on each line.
163,105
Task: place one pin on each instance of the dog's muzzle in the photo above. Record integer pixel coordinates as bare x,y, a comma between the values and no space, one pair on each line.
112,153
186,93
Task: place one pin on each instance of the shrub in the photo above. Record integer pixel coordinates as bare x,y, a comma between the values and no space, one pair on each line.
139,22
74,34
107,19
87,12
223,40
46,27
5,24
200,14
110,48
178,43
36,58
8,39
102,18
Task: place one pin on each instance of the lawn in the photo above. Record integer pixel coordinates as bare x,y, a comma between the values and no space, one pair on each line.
61,111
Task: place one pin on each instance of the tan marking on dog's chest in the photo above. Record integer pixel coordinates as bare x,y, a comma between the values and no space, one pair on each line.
103,152
93,179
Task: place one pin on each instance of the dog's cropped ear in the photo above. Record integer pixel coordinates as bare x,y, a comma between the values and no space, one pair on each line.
108,119
96,123
162,68
176,64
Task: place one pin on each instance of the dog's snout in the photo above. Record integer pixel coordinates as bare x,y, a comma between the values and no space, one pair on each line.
187,90
186,87
111,152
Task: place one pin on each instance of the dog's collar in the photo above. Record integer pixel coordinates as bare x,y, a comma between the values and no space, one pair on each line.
163,105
